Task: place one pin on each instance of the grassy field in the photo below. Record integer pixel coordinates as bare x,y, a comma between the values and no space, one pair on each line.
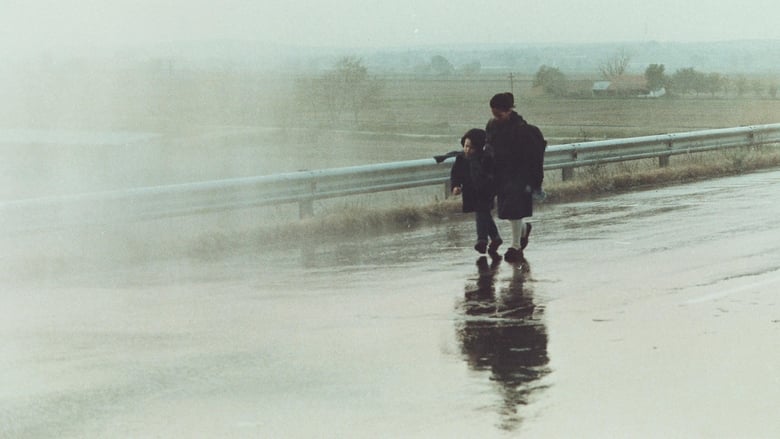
450,106
418,117
183,102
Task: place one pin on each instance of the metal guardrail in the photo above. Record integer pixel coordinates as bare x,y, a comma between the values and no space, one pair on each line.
616,150
304,187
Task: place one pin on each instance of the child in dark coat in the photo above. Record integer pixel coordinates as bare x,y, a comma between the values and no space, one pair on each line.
472,176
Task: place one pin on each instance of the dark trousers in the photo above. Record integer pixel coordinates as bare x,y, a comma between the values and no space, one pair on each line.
486,226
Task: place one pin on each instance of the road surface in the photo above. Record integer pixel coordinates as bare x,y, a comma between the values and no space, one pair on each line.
648,314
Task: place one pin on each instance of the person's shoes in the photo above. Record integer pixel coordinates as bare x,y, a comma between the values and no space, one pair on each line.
481,246
513,255
493,247
482,265
524,239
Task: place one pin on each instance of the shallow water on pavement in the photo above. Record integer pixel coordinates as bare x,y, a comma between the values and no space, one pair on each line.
645,314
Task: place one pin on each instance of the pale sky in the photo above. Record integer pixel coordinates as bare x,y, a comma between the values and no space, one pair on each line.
32,24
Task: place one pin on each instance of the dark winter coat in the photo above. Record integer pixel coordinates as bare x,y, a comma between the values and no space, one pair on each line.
519,159
475,177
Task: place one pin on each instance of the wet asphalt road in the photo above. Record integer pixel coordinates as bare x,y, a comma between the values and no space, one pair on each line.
649,314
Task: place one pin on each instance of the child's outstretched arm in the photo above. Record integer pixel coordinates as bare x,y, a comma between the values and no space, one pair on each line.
443,157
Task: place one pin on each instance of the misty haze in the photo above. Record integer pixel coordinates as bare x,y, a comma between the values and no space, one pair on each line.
639,312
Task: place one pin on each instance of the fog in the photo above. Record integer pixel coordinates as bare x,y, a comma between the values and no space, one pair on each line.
50,23
106,313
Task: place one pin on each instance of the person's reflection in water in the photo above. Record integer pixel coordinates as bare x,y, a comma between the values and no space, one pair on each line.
502,332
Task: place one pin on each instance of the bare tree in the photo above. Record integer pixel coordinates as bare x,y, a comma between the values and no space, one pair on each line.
616,65
346,89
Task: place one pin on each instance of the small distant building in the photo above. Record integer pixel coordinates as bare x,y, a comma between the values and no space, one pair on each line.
657,93
601,88
624,85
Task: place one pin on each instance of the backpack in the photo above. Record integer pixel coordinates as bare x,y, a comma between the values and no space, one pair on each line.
538,146
540,143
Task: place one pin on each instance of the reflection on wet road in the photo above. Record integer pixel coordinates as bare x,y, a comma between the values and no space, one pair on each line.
648,314
502,332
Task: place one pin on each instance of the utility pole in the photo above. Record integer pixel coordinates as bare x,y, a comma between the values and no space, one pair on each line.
512,82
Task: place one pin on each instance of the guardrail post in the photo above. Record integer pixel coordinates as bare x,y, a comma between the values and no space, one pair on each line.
663,160
306,207
568,173
447,189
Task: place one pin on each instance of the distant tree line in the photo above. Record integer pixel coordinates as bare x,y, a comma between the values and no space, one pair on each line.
342,93
689,81
683,82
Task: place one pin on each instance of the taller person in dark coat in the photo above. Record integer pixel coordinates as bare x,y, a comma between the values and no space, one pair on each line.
518,152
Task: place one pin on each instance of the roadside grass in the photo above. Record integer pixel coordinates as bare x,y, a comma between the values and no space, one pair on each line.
601,180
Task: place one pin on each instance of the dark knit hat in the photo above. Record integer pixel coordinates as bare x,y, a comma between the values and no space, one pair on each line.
503,101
